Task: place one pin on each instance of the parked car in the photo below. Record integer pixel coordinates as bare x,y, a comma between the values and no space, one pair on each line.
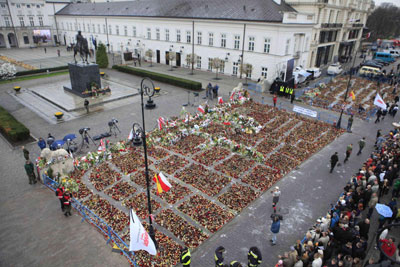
368,70
334,69
387,57
373,64
315,72
380,61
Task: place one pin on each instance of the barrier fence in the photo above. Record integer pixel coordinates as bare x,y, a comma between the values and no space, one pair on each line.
93,219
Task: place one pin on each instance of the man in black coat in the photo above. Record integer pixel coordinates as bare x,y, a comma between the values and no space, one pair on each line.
334,160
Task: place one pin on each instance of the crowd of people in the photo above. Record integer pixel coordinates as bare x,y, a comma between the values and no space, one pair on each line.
342,237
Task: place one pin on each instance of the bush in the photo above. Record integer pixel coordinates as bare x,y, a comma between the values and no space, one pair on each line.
184,83
29,72
101,56
11,128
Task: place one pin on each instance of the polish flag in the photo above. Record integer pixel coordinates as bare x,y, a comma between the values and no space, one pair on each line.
161,122
201,109
232,96
220,101
379,101
162,183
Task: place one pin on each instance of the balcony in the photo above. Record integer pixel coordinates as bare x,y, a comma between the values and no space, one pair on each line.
331,25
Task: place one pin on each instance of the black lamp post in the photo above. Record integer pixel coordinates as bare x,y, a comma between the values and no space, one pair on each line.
347,89
146,87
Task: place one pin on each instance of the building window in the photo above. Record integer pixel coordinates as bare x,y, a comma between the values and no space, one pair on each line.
306,44
158,34
178,36
235,68
26,39
98,28
21,21
210,63
93,28
264,72
7,21
28,6
37,6
104,29
236,44
210,39
31,22
222,66
3,5
109,29
79,26
251,43
18,5
116,29
166,35
287,46
199,38
88,27
134,31
62,25
148,33
267,45
188,37
223,40
198,62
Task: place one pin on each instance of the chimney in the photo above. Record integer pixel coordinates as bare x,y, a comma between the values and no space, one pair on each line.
278,1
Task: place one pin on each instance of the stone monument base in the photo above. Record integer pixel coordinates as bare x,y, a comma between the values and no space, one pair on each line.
82,77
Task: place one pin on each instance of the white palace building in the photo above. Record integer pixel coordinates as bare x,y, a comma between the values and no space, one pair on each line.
268,34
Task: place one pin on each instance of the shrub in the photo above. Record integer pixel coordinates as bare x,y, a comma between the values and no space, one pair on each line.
101,56
184,83
11,128
29,72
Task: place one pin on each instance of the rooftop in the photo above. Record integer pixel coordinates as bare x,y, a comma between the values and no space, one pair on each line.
249,10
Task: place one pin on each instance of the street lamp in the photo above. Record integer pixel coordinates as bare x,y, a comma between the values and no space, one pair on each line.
146,87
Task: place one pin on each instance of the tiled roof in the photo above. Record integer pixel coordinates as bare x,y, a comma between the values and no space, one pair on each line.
245,10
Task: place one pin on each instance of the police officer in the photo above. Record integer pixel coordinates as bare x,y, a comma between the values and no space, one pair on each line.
60,194
185,257
219,257
254,257
235,264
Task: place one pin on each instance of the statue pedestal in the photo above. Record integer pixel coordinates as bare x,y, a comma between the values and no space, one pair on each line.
82,76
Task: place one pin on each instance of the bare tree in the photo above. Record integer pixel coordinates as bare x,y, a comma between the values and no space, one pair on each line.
171,56
149,54
190,60
247,69
217,64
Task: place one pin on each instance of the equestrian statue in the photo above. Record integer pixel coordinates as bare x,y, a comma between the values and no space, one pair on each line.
81,47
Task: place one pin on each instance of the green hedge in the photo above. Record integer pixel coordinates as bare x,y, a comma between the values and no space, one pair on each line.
29,72
184,83
11,128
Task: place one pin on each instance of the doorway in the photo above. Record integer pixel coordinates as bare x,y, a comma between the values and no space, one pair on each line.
158,56
178,59
167,58
12,40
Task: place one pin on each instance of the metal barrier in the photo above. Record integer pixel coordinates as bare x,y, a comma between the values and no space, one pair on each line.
93,219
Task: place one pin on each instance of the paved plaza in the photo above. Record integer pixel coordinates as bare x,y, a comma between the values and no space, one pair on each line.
34,232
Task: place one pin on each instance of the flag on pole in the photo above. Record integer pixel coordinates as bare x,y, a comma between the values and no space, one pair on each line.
161,122
201,109
162,183
140,239
130,136
379,101
220,100
352,95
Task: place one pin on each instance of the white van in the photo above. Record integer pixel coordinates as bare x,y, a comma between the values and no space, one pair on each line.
393,52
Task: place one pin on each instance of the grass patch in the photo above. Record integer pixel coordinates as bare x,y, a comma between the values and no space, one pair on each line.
11,128
33,77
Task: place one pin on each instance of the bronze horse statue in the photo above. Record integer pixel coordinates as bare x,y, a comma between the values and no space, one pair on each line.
81,47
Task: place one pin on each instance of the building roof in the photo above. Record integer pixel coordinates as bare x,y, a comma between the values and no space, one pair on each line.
248,10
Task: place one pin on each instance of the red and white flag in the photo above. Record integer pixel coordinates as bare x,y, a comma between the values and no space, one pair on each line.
162,183
368,35
130,136
201,109
220,100
140,239
232,96
102,146
379,101
161,122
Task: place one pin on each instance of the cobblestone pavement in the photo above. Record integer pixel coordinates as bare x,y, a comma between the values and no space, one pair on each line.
33,223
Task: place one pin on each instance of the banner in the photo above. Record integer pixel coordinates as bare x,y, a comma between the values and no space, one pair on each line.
140,239
305,111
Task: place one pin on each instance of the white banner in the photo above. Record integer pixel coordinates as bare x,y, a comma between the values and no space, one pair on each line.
305,111
140,239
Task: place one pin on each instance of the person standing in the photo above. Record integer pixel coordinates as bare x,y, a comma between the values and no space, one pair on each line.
349,149
292,97
50,140
378,115
86,104
334,160
45,50
58,52
219,257
60,194
26,152
275,226
350,123
378,134
185,257
388,247
254,257
67,197
275,99
361,145
275,197
30,171
395,109
41,143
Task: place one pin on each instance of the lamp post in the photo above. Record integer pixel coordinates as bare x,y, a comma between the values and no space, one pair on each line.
146,88
338,124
